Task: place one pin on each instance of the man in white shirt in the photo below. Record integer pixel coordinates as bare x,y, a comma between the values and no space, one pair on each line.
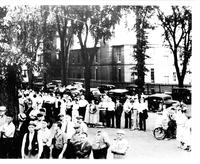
8,131
120,146
110,113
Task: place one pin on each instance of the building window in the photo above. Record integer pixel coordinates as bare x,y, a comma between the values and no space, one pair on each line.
96,58
79,58
96,73
73,59
166,79
174,76
118,52
152,75
119,74
57,56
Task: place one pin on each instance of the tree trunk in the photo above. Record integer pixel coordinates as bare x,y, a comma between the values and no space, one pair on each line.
63,65
12,91
87,73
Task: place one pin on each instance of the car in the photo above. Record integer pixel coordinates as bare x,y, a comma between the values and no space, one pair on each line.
132,88
95,94
38,83
182,94
53,84
120,94
105,87
157,100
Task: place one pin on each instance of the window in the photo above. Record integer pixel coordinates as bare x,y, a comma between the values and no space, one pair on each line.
174,76
152,75
118,52
73,59
119,74
96,57
57,56
79,58
96,73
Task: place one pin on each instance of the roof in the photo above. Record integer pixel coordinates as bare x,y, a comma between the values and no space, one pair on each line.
161,95
118,90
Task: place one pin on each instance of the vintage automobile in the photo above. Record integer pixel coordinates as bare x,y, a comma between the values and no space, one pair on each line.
120,94
182,94
158,100
105,87
133,89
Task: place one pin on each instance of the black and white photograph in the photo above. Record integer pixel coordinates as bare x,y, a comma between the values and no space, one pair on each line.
96,81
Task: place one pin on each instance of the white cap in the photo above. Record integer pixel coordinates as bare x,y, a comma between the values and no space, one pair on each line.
2,108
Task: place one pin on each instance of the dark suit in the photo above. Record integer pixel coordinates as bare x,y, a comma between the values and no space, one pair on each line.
84,150
118,114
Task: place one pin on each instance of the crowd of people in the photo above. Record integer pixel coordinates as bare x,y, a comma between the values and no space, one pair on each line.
56,126
53,125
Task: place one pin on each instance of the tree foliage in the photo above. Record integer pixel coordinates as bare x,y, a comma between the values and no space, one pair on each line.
141,27
98,21
178,35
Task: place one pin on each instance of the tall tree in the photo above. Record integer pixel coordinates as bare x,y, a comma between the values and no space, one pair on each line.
65,28
178,35
48,36
142,26
98,21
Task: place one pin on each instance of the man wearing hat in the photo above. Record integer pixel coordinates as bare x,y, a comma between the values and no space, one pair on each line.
74,143
32,145
8,131
119,146
59,142
83,125
85,147
100,145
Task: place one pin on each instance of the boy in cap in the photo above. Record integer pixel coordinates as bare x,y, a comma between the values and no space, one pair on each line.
120,146
59,142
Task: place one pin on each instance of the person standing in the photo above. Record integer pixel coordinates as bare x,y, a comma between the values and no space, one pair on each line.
110,113
32,145
75,109
46,140
135,115
102,107
59,142
82,106
120,146
8,131
127,113
143,114
91,115
181,119
118,113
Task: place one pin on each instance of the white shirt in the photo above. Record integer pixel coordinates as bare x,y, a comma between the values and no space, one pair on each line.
9,130
111,106
83,103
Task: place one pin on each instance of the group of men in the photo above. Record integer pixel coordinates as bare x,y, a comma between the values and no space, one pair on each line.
48,127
